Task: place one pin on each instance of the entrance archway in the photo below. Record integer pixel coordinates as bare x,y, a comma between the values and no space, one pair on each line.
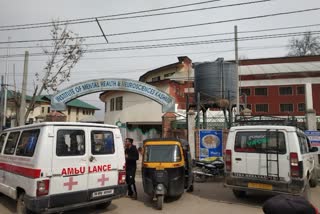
96,85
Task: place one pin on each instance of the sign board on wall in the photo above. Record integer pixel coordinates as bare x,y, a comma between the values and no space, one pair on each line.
91,86
210,144
314,137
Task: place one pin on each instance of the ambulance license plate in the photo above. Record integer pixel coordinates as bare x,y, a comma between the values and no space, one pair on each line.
260,186
102,193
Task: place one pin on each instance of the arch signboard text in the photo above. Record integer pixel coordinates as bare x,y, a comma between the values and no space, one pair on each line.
91,86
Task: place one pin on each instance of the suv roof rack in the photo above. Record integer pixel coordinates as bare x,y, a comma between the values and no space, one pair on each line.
241,120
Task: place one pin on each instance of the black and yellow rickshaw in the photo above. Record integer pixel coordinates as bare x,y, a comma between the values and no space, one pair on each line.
166,168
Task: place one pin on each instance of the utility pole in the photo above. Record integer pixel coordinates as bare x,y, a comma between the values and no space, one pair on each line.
5,87
237,67
2,114
22,118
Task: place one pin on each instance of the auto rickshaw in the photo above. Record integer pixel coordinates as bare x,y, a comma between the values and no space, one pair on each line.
166,168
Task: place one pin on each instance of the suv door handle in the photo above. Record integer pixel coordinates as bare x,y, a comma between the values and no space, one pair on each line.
238,159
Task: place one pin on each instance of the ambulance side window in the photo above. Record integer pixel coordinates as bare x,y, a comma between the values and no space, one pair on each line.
70,143
102,142
27,143
11,143
2,140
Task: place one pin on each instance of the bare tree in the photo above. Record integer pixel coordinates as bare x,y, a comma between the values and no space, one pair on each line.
67,49
307,45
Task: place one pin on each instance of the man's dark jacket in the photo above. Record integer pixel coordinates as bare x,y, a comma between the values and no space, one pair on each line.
133,156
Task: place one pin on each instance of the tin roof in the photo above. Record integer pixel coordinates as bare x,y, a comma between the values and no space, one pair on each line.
47,98
279,68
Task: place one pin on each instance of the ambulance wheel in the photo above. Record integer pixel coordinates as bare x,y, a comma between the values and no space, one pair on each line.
239,193
160,199
307,192
21,206
103,205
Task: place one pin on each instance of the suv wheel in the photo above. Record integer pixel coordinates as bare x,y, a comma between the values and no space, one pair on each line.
239,193
313,180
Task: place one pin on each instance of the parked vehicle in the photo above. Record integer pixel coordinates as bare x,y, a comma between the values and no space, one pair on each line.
166,168
57,166
203,170
270,158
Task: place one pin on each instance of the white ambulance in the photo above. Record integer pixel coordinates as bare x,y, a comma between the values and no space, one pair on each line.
56,166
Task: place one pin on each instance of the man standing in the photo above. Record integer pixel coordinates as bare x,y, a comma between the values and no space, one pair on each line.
132,156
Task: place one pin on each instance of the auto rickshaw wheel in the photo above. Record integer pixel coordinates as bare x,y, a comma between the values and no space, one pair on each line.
190,189
160,199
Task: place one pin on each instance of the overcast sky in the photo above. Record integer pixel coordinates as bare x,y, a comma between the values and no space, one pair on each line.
134,63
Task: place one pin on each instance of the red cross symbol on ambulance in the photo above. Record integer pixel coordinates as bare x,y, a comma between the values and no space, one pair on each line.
70,183
103,179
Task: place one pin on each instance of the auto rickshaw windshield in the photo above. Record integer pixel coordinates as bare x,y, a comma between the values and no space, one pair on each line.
162,153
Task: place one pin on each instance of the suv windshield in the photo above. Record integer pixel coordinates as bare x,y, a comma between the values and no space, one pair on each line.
260,142
162,153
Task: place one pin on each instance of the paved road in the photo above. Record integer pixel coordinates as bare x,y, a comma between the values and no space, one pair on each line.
207,197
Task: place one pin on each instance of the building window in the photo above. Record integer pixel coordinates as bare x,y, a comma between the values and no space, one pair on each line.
112,104
300,90
301,107
83,112
77,111
49,109
261,91
261,107
69,110
42,110
245,91
168,75
285,90
154,79
105,107
286,107
118,103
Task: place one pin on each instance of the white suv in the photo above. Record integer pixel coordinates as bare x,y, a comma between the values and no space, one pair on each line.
272,158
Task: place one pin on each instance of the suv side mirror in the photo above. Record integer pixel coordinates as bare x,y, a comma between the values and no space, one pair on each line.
313,149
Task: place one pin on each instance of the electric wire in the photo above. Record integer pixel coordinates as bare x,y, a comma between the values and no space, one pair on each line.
113,15
171,38
192,43
131,17
176,27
